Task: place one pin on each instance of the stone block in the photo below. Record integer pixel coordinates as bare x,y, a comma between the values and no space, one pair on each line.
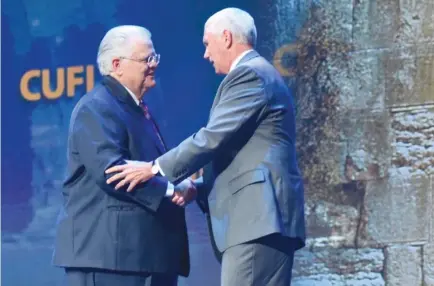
311,21
322,30
331,224
361,80
428,264
413,146
335,18
356,79
409,75
321,161
387,23
403,265
376,79
342,117
332,266
359,279
367,135
337,261
396,209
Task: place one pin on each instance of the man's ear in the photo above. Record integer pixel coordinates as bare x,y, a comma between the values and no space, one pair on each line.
116,66
227,36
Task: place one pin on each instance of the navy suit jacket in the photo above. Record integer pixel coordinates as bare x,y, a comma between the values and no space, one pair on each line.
100,227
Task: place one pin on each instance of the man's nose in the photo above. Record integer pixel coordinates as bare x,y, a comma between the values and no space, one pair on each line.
152,65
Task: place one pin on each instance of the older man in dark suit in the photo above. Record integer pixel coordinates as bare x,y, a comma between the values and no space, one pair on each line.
118,238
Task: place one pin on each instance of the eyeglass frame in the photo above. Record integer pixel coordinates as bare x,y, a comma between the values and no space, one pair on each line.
154,58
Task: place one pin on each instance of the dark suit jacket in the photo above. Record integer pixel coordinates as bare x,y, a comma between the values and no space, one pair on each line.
249,143
103,228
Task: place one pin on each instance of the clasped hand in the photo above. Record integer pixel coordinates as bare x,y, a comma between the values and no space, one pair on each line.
185,192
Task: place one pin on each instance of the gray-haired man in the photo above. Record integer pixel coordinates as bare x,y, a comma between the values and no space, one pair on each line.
118,238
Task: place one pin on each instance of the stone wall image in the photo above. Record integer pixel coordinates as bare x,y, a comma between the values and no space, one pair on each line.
362,72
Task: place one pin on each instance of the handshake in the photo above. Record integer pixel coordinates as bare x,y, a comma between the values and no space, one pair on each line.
184,193
136,172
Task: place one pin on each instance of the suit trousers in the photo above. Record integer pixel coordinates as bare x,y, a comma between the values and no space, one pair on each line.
99,277
266,261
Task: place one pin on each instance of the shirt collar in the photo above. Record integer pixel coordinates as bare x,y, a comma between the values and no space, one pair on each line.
132,95
238,59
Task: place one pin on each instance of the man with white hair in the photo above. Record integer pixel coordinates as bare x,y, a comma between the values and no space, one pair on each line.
118,238
252,185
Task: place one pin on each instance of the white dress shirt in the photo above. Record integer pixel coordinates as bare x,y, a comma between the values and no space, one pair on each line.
238,59
170,186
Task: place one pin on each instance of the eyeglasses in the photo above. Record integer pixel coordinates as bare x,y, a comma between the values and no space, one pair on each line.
152,59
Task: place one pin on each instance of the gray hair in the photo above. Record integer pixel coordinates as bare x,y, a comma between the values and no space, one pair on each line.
238,22
118,42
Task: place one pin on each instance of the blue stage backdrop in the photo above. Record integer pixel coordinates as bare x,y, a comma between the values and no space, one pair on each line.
49,52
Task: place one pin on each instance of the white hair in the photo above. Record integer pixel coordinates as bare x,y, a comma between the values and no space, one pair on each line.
238,22
118,42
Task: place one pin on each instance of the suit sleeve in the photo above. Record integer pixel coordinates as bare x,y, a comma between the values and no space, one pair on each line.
202,194
242,101
101,142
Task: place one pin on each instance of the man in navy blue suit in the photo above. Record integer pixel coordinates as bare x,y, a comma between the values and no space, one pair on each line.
108,237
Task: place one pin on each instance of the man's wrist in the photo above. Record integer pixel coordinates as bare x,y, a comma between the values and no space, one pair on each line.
157,164
170,189
184,186
179,188
155,169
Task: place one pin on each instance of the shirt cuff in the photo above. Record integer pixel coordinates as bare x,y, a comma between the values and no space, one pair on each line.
170,189
159,168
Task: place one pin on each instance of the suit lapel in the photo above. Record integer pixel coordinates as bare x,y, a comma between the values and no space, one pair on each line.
216,99
208,170
117,90
160,145
247,57
156,134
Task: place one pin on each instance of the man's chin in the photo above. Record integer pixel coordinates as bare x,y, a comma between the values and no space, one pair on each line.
150,82
219,72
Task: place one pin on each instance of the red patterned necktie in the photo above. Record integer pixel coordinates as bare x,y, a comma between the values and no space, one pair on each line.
154,125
